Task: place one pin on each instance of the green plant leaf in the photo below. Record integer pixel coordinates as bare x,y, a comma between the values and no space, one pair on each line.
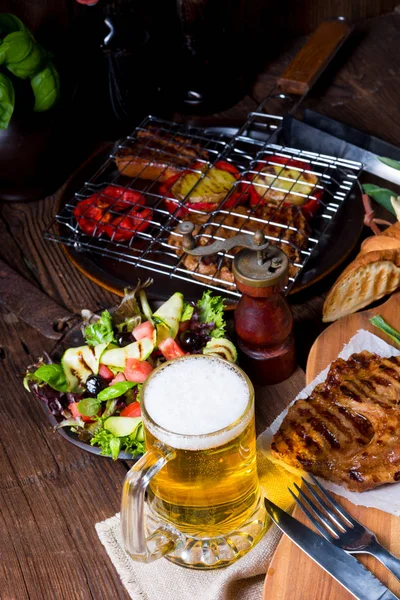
115,446
89,407
10,23
53,375
101,331
390,162
380,195
381,324
30,65
116,390
7,100
46,88
17,46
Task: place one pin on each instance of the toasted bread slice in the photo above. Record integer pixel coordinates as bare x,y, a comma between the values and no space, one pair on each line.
369,277
392,231
379,242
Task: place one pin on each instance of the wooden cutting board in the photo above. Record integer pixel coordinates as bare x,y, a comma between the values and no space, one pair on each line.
292,575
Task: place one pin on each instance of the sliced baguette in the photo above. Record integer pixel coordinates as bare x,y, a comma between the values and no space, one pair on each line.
379,242
392,231
369,277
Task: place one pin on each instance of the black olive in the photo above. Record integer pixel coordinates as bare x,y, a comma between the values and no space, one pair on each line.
94,385
190,342
124,338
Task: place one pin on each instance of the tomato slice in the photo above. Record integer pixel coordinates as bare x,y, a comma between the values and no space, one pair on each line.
144,330
132,410
119,377
73,408
106,373
136,370
170,349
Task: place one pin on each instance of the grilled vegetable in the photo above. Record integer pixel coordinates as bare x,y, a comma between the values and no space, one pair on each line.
282,179
203,192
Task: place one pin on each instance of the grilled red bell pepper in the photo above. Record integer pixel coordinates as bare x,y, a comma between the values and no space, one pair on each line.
116,211
123,227
309,206
180,202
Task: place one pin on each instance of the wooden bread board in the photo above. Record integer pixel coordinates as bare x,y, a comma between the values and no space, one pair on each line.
292,575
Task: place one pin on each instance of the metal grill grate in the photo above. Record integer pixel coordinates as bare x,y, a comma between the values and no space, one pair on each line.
156,247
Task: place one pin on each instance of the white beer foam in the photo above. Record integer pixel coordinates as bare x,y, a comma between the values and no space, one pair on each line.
195,397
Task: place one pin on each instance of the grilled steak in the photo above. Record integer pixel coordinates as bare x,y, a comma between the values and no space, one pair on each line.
348,429
221,225
157,155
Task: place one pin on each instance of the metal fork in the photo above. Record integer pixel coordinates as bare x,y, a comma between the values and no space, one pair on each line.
337,526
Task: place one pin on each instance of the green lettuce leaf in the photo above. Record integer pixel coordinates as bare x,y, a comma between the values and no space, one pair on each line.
100,332
211,310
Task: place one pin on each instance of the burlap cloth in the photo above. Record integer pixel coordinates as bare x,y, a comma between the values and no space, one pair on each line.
162,580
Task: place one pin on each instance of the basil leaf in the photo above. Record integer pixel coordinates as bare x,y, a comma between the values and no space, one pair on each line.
115,446
380,195
46,88
30,65
116,390
17,46
101,331
390,162
7,101
10,23
53,375
89,407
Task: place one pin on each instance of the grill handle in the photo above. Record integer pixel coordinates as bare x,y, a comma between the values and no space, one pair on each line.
312,59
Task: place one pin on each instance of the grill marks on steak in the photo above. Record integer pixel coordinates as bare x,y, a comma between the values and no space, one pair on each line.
295,230
348,429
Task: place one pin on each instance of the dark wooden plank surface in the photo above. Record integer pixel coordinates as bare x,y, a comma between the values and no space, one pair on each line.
52,493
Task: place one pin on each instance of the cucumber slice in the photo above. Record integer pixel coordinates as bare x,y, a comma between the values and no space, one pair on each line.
79,363
116,357
168,316
221,347
122,426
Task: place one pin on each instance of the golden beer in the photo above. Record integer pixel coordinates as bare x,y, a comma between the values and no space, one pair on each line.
210,487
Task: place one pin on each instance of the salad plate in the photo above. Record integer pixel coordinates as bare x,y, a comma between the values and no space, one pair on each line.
90,385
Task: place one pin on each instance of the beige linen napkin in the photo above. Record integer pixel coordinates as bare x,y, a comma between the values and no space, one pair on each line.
163,580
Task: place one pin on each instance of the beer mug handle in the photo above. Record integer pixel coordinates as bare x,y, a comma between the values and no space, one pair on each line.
163,540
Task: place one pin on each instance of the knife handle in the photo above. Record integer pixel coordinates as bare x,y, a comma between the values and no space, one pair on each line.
390,561
309,63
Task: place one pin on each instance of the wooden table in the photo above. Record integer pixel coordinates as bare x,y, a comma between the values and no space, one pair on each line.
53,493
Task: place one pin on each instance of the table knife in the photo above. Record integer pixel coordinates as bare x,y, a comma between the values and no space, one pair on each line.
321,134
343,567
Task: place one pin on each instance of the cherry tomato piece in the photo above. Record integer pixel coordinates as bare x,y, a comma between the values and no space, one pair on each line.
144,330
106,373
170,349
132,410
136,370
73,408
119,377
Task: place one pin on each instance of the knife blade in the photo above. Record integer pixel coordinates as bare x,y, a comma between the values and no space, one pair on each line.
319,139
343,567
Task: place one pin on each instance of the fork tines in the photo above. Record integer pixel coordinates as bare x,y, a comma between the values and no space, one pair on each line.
332,520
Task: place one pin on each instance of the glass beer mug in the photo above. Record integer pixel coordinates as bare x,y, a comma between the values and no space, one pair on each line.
203,508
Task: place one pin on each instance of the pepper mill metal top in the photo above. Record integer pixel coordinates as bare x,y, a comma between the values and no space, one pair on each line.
259,264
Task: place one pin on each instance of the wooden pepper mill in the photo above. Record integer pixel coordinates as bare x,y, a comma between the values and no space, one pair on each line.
263,319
